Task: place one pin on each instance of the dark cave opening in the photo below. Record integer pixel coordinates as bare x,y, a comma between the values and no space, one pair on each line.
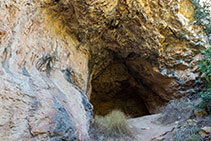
127,101
115,89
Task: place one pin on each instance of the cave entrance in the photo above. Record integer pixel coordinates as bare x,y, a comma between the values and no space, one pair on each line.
115,88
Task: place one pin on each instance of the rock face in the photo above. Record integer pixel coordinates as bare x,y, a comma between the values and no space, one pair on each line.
37,98
55,52
153,40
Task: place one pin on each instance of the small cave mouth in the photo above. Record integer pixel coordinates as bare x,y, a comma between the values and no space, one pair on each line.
116,89
127,100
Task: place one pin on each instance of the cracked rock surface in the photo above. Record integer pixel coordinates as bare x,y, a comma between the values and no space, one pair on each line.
55,56
36,99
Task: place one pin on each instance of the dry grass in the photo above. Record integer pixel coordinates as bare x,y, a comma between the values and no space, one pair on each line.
113,125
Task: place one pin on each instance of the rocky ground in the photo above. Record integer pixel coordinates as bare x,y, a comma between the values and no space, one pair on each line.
149,128
173,125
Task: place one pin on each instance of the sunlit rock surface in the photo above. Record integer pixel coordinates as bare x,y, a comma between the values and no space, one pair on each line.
54,52
37,97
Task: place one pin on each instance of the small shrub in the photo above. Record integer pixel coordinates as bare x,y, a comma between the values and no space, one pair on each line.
205,68
113,125
194,138
187,133
203,18
205,104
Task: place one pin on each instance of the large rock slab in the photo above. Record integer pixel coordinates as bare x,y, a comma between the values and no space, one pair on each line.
37,97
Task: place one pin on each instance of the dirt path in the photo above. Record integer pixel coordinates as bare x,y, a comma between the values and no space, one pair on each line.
148,127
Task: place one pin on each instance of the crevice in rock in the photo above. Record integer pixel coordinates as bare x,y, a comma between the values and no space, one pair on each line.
29,128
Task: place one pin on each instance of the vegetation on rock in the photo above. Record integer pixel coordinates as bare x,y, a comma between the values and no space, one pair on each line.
203,18
190,130
205,69
189,126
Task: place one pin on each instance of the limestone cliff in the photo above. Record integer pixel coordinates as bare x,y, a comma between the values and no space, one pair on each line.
55,52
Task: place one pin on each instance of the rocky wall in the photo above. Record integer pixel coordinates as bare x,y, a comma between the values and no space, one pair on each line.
38,100
56,53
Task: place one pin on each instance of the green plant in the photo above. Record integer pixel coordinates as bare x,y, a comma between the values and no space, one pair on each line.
206,101
205,68
187,133
113,125
194,138
203,18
